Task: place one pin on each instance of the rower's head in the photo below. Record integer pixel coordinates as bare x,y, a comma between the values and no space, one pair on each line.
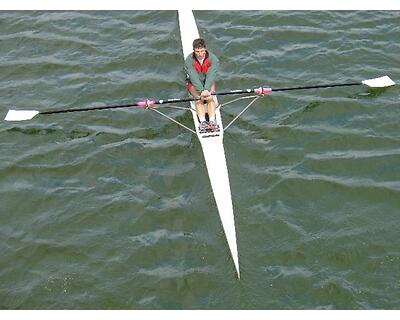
199,48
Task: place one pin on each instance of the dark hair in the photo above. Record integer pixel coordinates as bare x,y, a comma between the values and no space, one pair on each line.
199,43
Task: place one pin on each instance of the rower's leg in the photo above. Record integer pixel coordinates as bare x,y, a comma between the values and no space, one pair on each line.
211,105
201,113
211,109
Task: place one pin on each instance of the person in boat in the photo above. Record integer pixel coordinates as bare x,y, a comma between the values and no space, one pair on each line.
201,67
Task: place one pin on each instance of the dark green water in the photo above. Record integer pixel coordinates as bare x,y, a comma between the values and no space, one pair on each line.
113,209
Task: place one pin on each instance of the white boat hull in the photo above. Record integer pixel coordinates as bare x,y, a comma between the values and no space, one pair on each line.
213,149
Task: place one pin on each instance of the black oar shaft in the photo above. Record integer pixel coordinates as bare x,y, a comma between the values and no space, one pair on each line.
244,91
87,109
319,86
233,92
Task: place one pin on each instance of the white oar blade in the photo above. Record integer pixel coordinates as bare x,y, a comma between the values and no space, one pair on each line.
20,115
381,82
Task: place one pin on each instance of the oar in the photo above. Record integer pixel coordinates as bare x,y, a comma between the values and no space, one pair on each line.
381,82
20,115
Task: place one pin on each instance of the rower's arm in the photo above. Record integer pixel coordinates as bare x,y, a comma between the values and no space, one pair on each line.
193,75
212,72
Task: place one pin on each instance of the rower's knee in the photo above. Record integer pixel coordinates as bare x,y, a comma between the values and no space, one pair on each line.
199,105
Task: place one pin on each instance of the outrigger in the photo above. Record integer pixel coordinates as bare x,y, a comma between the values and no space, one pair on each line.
211,142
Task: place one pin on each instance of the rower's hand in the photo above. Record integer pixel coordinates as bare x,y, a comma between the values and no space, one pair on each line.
205,94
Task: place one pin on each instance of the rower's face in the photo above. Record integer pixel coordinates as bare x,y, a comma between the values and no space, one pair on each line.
200,53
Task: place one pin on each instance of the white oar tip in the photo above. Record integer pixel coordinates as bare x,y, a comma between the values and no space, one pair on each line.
381,82
20,115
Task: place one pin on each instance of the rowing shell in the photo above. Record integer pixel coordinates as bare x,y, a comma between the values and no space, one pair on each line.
213,148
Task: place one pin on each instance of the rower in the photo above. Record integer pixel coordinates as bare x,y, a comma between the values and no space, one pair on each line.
201,67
